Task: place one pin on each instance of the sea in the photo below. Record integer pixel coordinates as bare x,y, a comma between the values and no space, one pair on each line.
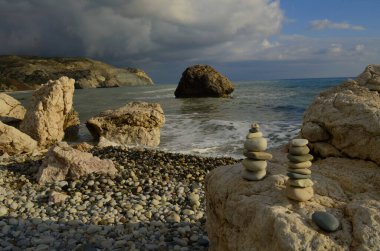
211,126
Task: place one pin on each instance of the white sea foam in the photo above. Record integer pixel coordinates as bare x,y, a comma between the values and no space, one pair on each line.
219,137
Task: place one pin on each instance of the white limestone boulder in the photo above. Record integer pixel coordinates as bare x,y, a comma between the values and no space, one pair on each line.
63,162
137,123
13,141
45,117
344,121
243,215
11,110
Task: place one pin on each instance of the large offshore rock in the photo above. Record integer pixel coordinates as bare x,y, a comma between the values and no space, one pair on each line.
63,162
203,81
11,110
244,215
13,141
344,121
47,112
25,73
137,123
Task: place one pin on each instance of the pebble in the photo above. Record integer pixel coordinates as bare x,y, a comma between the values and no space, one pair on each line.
253,176
325,221
256,144
299,150
300,171
300,165
254,135
155,197
299,194
292,175
254,165
301,158
258,155
299,142
301,183
3,211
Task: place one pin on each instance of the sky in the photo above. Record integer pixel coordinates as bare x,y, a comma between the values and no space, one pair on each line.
243,39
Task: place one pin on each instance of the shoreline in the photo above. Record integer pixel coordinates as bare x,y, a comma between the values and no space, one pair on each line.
153,192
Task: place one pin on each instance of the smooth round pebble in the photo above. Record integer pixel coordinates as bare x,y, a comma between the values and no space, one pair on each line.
254,135
300,158
300,165
301,183
299,194
253,176
299,150
298,176
305,171
258,155
254,165
325,221
256,144
299,142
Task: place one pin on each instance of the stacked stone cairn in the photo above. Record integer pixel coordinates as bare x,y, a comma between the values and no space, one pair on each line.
299,186
256,162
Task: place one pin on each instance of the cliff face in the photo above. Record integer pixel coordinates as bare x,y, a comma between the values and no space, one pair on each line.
25,73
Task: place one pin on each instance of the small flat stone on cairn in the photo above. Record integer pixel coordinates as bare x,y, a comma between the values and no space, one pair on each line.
299,186
256,162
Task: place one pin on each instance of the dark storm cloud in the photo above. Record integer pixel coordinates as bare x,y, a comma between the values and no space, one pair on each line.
137,30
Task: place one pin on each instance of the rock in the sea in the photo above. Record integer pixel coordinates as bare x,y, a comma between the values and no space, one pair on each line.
349,114
25,73
203,81
11,110
257,216
13,141
137,123
64,162
325,221
48,110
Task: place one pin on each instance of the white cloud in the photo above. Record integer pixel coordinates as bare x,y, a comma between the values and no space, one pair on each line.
359,47
327,24
266,44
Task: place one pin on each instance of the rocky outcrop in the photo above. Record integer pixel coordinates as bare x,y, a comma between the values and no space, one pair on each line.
25,73
11,110
371,73
203,81
12,141
63,162
344,121
137,123
48,110
243,215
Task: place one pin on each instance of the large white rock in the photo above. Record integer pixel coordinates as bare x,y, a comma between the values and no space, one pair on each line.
64,162
47,112
13,141
137,123
243,215
344,121
11,110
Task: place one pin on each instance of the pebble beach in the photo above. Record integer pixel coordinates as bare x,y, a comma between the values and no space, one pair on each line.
155,202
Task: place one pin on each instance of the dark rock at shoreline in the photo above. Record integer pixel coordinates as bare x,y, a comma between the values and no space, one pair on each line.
203,81
27,73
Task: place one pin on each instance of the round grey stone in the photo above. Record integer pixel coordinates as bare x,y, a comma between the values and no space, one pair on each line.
325,221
